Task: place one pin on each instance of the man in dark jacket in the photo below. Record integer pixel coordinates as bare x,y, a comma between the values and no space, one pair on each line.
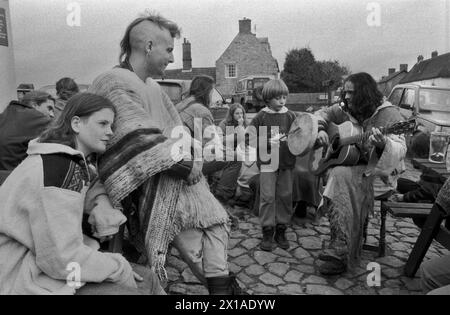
22,122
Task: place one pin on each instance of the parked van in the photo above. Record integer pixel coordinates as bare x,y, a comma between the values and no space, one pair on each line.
430,105
248,91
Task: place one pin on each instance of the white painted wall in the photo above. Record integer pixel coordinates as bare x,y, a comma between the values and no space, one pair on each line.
7,66
440,82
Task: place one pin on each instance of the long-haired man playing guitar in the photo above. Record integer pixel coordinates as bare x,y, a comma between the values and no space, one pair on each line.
349,193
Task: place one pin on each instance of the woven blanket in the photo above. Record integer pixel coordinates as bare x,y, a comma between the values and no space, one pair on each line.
138,155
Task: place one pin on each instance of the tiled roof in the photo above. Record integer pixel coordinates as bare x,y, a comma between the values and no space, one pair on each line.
391,76
437,67
179,74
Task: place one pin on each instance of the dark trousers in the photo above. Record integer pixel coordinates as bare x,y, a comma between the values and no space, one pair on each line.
405,185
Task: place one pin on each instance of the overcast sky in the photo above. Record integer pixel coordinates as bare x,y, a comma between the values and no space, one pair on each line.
46,48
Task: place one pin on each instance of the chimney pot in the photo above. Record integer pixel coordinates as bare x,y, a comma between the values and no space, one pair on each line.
187,59
434,54
391,71
419,58
404,67
245,26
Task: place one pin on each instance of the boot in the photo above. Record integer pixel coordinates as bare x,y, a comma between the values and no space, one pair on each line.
226,285
280,236
267,243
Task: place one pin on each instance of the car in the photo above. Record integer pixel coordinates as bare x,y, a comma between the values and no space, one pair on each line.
23,89
179,90
51,89
248,91
428,105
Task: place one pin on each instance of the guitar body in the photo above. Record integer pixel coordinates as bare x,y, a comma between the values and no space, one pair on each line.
347,155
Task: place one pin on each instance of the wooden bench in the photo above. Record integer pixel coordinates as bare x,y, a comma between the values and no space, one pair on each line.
429,217
416,211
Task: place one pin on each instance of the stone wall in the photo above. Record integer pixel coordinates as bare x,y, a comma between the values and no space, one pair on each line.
250,55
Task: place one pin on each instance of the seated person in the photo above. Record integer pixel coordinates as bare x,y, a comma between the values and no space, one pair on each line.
196,116
21,122
348,197
233,130
42,207
435,276
435,273
427,188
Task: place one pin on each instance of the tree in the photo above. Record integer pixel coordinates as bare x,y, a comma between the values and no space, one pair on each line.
303,74
301,71
332,70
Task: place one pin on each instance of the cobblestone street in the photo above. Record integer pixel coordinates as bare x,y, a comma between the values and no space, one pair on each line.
295,271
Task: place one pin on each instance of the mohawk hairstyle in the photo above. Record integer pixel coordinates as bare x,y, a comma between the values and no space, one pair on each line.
155,18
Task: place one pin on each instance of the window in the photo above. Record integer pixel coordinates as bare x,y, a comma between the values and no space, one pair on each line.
230,71
259,82
396,96
408,98
239,87
434,100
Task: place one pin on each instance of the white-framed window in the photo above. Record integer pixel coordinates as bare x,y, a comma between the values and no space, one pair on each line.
231,71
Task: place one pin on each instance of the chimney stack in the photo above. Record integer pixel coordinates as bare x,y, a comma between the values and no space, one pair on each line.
245,26
404,67
187,59
434,54
419,59
391,71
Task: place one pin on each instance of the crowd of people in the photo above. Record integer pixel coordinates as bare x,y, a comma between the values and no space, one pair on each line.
82,165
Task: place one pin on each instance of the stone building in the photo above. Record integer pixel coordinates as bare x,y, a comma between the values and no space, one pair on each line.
246,55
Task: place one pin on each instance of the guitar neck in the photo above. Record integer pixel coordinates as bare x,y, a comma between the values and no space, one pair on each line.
361,138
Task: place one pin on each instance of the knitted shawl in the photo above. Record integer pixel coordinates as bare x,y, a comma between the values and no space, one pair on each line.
137,155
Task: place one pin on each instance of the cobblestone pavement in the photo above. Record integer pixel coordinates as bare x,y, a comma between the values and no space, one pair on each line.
295,271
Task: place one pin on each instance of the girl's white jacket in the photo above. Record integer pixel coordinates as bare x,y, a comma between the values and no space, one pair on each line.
41,240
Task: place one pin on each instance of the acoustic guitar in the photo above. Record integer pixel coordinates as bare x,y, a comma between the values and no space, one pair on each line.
344,137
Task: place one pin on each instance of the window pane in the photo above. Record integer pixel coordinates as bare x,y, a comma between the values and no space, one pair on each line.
409,97
231,71
435,100
260,82
395,97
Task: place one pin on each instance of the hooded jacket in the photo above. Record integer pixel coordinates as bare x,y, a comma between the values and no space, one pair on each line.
41,240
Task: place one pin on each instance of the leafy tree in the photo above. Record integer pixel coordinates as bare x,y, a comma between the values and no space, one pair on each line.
333,71
303,74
